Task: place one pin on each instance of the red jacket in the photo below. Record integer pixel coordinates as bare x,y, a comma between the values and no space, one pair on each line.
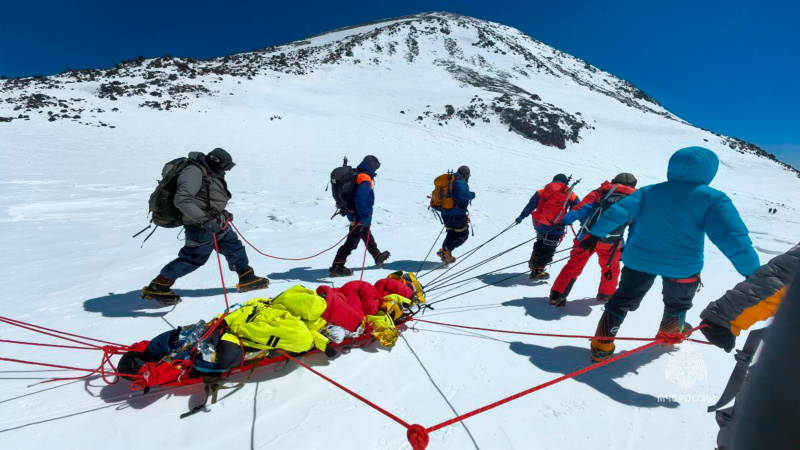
349,304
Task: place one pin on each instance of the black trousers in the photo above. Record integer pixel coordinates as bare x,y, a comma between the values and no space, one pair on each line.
543,250
357,233
199,246
633,286
457,231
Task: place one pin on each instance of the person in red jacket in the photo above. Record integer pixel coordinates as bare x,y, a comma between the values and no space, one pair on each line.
609,249
547,206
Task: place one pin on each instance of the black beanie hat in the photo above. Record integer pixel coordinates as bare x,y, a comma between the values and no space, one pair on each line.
626,179
371,162
219,160
561,178
464,172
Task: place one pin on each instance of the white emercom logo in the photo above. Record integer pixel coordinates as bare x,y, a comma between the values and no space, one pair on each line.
687,367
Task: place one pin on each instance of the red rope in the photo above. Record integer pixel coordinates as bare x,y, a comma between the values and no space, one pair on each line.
221,276
418,436
6,341
354,394
290,259
530,333
539,387
366,247
38,329
108,351
219,320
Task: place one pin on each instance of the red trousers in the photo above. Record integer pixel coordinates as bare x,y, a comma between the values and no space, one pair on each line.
578,258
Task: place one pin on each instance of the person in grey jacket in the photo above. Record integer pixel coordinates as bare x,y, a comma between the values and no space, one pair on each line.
201,196
755,299
750,301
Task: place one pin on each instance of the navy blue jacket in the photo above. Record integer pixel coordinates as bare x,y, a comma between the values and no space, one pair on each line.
364,197
461,195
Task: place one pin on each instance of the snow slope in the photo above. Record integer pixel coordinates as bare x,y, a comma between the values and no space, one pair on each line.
75,190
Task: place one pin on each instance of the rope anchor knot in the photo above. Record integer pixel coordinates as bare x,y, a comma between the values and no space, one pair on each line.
418,437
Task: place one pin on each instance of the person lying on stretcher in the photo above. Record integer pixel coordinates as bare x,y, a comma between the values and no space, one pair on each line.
296,321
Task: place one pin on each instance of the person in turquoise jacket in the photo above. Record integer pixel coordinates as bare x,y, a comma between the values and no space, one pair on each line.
669,222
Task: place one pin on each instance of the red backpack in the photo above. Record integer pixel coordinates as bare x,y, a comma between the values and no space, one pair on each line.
552,203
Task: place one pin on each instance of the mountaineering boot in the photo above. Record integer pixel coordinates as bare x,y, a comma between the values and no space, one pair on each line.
339,270
539,275
380,258
601,350
446,257
160,290
603,297
671,325
249,281
557,299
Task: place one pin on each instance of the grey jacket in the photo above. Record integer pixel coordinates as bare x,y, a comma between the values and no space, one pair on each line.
201,194
758,296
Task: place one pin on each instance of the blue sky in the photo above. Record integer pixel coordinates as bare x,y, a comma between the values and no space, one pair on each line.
730,66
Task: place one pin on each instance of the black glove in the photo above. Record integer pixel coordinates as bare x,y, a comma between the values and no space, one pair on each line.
212,226
590,243
719,336
518,220
330,352
227,215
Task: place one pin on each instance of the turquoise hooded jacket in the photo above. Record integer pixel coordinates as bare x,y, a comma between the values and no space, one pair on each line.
671,219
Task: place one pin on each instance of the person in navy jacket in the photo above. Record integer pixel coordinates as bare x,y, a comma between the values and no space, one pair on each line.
361,221
456,219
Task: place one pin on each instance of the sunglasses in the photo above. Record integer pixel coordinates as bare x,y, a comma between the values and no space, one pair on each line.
224,165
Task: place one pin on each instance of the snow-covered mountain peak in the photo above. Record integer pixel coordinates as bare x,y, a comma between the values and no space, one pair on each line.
512,78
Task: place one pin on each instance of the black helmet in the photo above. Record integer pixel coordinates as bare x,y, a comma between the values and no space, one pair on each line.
219,160
464,172
561,178
626,179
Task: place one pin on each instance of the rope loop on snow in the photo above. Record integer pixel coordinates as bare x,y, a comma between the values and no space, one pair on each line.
282,258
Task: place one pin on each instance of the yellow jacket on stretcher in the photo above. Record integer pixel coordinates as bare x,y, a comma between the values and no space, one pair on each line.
292,321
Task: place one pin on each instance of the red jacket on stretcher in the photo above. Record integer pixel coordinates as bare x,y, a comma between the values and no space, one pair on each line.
349,305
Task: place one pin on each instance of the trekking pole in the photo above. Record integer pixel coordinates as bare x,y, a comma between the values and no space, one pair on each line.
471,227
366,247
607,274
566,201
429,251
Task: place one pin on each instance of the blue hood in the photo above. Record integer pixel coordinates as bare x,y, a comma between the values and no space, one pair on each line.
693,164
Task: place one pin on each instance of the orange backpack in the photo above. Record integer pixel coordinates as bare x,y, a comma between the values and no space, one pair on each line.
442,196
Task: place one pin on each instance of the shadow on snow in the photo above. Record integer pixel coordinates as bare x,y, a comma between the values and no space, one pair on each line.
130,304
567,359
539,307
